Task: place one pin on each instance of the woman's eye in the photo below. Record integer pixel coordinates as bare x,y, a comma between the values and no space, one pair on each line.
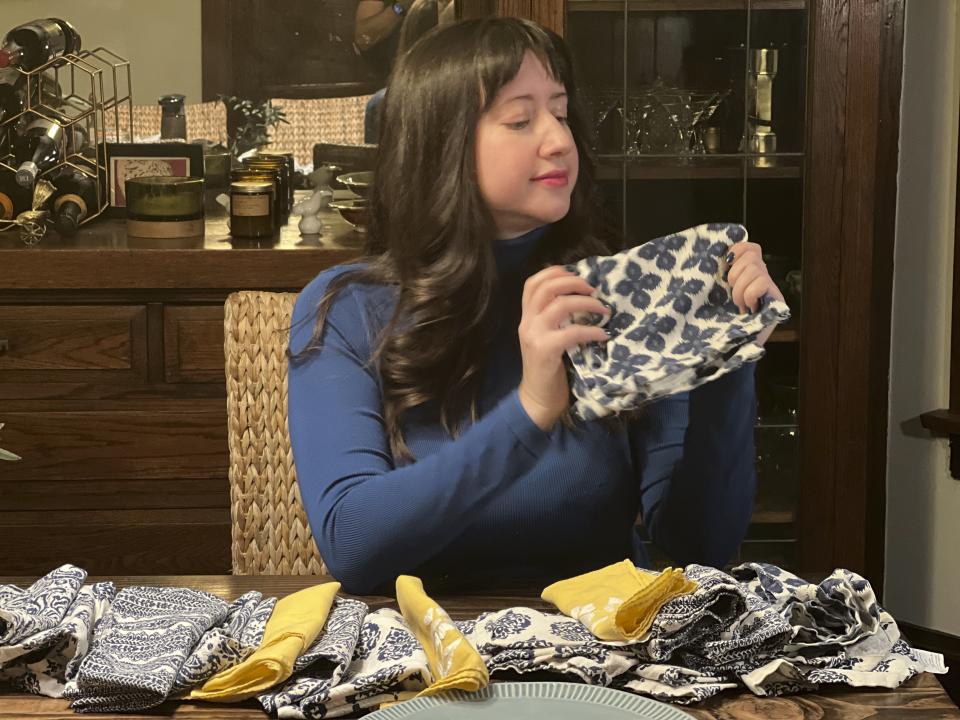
561,118
520,125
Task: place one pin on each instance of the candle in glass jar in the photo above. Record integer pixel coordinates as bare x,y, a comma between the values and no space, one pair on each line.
251,208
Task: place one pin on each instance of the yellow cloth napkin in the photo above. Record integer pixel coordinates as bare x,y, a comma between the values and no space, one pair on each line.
454,662
618,602
293,626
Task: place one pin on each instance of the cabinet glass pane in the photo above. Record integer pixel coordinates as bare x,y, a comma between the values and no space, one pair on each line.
681,123
705,113
775,112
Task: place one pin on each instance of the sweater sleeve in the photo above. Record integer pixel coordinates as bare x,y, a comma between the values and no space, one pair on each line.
371,519
695,455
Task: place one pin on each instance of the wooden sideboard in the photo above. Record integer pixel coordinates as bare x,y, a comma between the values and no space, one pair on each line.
112,391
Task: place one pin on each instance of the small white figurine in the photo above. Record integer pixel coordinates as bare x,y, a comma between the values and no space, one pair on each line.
309,208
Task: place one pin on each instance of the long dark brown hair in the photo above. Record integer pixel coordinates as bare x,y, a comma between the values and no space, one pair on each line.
431,234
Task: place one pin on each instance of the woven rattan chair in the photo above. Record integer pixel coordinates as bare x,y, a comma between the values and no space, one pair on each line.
269,529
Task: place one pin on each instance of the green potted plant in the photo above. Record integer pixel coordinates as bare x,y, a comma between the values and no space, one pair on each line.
253,121
6,454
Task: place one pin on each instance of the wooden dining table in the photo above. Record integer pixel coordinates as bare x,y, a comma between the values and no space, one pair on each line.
919,698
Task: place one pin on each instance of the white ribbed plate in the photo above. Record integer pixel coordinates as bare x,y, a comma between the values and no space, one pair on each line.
532,701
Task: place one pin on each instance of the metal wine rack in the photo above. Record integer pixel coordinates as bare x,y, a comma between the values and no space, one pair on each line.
89,95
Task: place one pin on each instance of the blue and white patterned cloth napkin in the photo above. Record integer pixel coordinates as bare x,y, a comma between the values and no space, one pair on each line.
46,663
26,612
840,635
719,627
674,322
140,646
320,668
525,640
760,627
385,664
227,644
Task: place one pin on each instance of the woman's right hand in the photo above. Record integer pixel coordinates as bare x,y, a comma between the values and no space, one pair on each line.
550,298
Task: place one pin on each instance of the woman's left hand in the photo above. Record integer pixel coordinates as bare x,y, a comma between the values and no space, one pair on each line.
750,281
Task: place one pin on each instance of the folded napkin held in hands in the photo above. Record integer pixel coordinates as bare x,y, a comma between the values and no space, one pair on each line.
674,324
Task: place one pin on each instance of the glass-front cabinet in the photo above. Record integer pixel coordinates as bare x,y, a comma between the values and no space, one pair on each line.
698,108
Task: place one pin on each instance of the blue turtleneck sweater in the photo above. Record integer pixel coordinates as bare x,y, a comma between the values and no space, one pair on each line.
505,502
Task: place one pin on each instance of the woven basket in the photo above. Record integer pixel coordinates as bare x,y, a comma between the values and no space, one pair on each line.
319,120
269,530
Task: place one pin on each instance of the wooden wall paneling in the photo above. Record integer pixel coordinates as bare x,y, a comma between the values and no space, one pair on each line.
112,542
118,444
193,343
155,342
55,343
823,235
115,494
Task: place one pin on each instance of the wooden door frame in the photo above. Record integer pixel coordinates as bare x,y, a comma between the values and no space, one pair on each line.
850,190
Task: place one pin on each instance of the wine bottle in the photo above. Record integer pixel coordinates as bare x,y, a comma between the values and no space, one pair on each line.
35,43
75,199
11,94
38,148
13,198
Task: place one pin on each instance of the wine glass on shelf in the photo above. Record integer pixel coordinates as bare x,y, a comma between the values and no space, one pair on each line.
600,104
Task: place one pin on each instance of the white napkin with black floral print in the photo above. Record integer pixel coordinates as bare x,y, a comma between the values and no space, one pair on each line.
322,666
386,664
46,663
26,612
674,324
840,634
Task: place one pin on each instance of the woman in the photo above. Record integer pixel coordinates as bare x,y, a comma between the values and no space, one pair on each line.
428,397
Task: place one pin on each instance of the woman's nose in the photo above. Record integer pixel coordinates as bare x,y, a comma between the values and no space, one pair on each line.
557,139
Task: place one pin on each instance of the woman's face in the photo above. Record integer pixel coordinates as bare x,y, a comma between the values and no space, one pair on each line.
527,162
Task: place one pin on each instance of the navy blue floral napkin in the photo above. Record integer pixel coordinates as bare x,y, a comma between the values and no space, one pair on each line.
674,324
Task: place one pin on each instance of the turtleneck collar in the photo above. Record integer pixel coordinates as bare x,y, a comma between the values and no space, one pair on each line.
512,252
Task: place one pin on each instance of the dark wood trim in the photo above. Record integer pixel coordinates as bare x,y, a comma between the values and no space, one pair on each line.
466,9
216,50
823,233
941,422
944,643
849,206
866,285
947,422
234,269
549,13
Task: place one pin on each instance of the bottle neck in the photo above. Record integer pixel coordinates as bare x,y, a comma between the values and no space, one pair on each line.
70,211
